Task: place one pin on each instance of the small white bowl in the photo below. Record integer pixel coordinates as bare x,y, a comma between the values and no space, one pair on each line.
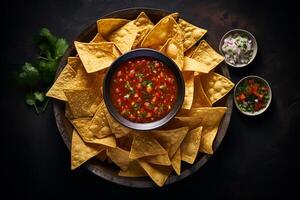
244,32
260,111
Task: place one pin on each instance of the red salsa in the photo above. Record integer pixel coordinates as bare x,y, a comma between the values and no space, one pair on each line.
143,89
252,95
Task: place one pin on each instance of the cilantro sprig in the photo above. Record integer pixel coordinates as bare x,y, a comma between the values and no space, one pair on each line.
36,77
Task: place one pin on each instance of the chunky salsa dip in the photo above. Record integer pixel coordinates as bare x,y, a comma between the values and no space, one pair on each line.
143,89
252,95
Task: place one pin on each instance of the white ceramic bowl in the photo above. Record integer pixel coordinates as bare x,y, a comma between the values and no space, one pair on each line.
260,111
243,32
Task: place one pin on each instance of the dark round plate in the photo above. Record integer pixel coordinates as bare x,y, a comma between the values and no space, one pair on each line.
136,53
109,171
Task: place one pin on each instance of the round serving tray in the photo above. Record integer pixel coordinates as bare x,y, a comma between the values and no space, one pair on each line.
109,171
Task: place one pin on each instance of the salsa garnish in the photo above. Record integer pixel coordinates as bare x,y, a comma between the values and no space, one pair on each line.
143,89
252,95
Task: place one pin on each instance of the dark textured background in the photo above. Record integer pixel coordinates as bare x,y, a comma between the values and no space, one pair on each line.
258,156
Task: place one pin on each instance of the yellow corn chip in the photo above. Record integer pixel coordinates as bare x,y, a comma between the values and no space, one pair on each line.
95,56
215,86
189,89
99,124
81,152
82,126
109,25
192,34
159,174
98,38
144,25
166,28
189,53
193,65
200,98
134,170
120,157
190,145
116,128
206,55
176,162
145,145
170,139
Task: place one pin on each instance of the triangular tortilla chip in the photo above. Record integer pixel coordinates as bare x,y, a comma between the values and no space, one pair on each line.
190,145
210,119
189,89
174,15
144,25
120,157
173,48
82,126
134,170
215,86
83,103
64,80
81,152
125,142
206,55
166,28
193,65
145,145
162,159
124,37
200,98
99,125
98,38
159,174
118,129
109,25
176,162
95,56
170,139
192,34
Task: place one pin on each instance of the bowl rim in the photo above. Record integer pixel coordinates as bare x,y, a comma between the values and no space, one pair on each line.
136,53
255,46
260,111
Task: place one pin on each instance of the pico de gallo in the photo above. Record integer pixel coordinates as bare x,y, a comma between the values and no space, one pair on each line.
143,89
252,95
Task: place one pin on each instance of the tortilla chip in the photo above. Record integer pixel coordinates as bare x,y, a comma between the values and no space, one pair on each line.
64,80
101,156
191,122
189,53
134,170
200,98
81,152
190,145
120,157
124,37
95,56
162,159
109,25
125,142
193,65
189,89
118,129
97,39
176,162
99,125
68,113
215,86
82,126
83,103
206,55
144,25
174,15
170,139
210,120
166,28
173,48
145,145
159,174
192,34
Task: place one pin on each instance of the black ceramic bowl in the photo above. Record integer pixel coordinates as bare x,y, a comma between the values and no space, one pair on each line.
143,52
